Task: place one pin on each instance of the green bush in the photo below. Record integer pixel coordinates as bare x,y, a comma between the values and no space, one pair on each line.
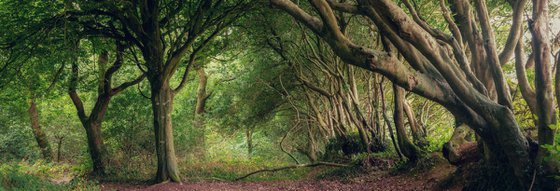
346,146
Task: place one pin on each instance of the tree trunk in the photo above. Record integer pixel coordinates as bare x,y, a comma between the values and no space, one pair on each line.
59,148
249,135
407,147
162,106
93,126
199,117
311,145
96,147
417,135
40,136
546,112
387,122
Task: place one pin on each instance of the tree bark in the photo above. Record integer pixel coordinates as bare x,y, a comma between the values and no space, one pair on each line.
546,112
524,86
59,148
387,122
162,107
408,149
417,135
199,114
249,136
96,147
93,123
40,136
311,145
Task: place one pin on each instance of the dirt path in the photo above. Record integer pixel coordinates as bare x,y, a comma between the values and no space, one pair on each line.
377,181
277,185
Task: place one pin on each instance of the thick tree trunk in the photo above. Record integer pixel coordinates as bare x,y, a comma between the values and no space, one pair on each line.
407,147
93,125
40,136
96,147
162,106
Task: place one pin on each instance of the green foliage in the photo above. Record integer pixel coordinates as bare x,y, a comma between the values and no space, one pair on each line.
554,149
438,137
41,176
344,146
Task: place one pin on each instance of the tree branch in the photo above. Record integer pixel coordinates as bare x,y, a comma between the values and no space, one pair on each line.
125,85
514,33
291,167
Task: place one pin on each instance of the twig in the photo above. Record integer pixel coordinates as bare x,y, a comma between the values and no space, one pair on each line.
293,166
533,182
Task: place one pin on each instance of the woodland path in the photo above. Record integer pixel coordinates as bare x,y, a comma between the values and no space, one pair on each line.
379,180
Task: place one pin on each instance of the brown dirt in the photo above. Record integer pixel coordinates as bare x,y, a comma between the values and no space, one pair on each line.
377,180
384,182
381,184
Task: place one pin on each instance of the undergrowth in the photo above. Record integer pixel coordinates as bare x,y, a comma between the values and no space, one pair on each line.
41,176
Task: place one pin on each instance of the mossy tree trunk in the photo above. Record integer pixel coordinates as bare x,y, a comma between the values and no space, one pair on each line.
40,136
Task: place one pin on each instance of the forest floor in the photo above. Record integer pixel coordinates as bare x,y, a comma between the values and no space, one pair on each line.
372,180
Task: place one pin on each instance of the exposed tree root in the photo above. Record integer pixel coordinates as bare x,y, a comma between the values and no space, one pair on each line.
291,167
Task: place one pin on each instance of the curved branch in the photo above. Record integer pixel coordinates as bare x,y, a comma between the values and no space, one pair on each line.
527,92
502,89
125,85
291,167
514,33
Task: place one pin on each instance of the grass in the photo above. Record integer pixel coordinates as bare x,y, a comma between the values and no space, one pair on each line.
40,176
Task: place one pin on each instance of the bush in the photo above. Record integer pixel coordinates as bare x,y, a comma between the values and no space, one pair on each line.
346,146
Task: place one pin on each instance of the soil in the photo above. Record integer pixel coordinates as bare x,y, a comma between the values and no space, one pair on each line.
377,180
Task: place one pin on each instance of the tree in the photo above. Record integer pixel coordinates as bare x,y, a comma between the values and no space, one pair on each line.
545,109
164,32
92,123
406,146
199,111
40,136
438,68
